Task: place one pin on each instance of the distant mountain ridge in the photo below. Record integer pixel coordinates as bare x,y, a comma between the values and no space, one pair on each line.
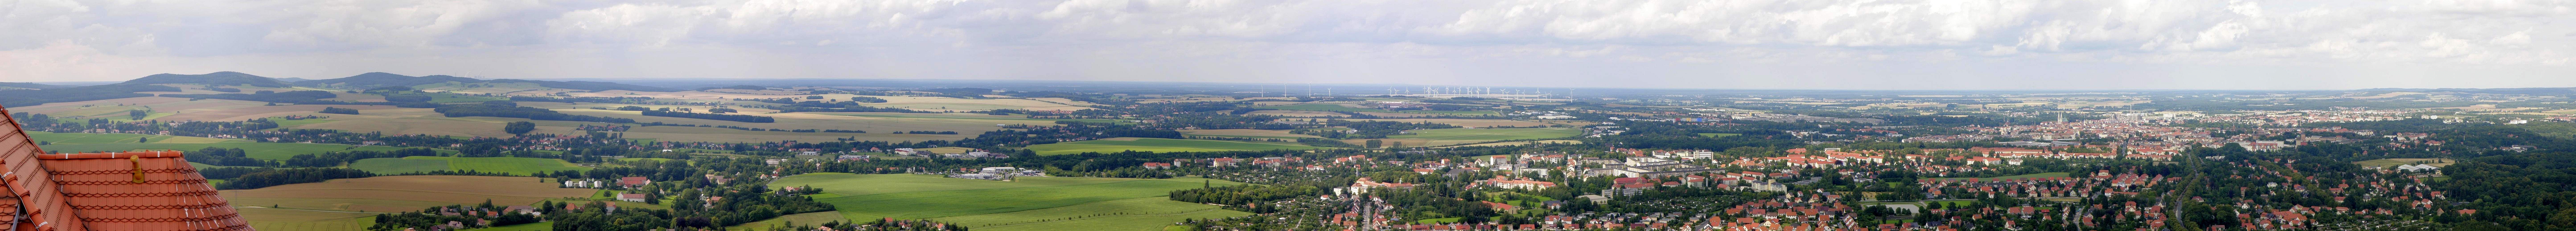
221,78
30,85
381,79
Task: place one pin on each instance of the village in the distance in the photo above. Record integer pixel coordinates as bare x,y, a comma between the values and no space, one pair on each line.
386,152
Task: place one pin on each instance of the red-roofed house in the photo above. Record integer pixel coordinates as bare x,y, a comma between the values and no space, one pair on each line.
151,190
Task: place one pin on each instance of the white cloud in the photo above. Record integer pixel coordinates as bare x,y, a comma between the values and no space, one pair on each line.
1155,39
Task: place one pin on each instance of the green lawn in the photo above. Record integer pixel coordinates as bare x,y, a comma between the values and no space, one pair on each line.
1715,135
511,165
120,138
1149,206
1252,137
862,184
936,204
286,123
1156,145
1487,134
1101,203
399,165
1121,222
813,218
265,151
1321,107
2022,176
961,116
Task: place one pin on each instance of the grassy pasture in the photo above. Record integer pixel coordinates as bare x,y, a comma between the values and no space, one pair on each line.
1155,145
1455,136
1516,143
300,220
711,134
120,138
512,165
400,193
1321,107
998,202
1487,134
1129,214
813,218
1247,133
1293,113
863,184
1471,122
1468,113
72,142
398,165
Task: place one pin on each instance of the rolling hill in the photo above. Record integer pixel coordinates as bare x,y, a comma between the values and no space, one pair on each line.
381,79
9,86
223,78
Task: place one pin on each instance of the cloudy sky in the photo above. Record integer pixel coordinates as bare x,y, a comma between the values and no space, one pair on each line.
1733,44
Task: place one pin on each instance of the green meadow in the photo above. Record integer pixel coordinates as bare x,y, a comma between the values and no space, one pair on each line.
1029,203
1321,107
511,165
93,142
1156,145
1487,134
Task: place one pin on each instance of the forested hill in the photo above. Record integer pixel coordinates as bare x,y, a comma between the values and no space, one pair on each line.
381,79
225,78
7,85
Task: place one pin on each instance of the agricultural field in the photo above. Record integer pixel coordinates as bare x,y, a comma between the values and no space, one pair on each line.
960,104
1395,115
423,121
1518,143
1128,214
1293,113
1156,145
1322,107
95,142
511,165
1079,203
713,134
1473,123
1455,136
331,205
2435,162
812,218
1246,133
178,109
303,220
1463,113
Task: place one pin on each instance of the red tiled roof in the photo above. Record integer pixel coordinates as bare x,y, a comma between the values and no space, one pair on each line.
142,191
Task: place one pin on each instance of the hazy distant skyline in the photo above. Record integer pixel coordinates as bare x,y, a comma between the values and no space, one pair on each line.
1725,44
